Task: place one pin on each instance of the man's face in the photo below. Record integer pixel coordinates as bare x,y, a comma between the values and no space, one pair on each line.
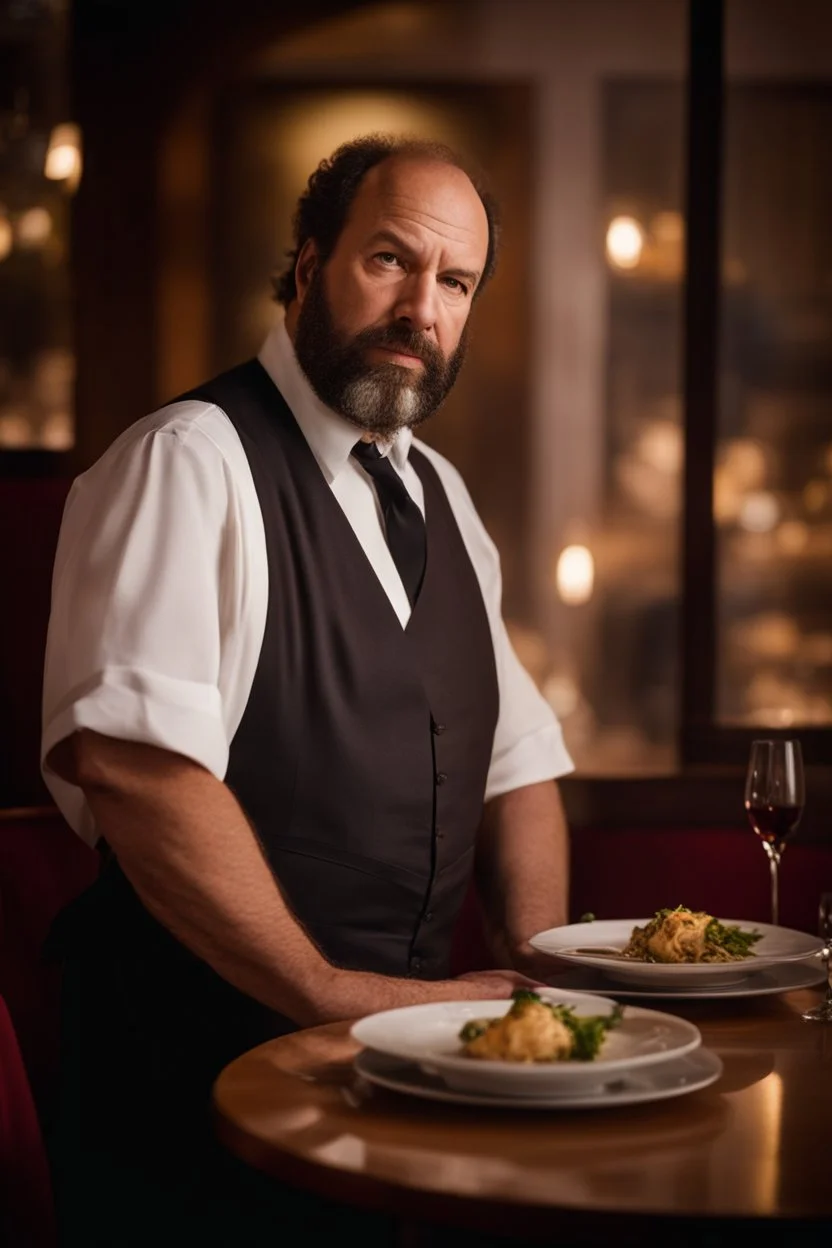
380,329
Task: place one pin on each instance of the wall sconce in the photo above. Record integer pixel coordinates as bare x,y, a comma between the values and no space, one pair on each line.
63,155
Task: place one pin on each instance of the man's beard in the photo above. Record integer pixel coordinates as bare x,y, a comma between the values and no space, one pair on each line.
379,398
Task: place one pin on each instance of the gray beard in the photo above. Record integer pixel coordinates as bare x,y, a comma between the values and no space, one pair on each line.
383,405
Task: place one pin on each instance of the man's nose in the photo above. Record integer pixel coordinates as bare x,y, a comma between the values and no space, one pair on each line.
416,304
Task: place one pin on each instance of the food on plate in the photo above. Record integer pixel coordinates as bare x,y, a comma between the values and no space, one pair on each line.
683,935
535,1030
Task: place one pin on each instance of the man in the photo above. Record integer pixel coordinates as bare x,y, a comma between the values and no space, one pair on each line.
278,689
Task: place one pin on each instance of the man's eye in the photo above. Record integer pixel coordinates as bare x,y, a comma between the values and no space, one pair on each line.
453,283
387,257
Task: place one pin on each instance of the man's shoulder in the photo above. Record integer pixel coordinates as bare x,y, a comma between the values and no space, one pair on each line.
197,423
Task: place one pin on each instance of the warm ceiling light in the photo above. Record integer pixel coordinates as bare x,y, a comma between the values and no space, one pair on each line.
575,575
625,242
63,155
6,236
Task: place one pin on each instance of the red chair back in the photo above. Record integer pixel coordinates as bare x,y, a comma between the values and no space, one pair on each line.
27,1212
43,866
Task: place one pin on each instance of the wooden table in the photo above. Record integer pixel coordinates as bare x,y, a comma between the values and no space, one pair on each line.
757,1144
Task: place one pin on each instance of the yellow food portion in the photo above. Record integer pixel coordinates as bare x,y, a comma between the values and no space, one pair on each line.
680,935
530,1032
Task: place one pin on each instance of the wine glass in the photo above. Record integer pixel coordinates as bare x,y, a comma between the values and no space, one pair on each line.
822,1013
774,797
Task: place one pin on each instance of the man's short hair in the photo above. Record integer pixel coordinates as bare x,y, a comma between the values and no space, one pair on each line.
322,209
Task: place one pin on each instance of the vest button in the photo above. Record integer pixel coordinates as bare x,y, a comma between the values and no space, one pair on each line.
415,964
428,916
441,777
438,729
439,833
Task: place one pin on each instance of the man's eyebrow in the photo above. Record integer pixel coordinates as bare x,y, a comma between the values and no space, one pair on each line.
390,236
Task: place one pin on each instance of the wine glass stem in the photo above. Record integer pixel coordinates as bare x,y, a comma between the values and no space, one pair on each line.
775,892
774,864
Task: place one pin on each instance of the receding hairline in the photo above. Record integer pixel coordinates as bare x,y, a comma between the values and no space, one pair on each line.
386,169
384,173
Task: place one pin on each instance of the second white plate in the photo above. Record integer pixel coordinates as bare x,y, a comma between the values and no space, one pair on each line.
677,1077
785,977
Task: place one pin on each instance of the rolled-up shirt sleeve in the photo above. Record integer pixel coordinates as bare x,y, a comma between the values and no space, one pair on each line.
134,643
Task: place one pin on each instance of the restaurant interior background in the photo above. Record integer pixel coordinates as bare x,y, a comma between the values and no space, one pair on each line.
150,155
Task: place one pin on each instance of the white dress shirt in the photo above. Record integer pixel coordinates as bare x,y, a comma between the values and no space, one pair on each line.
159,588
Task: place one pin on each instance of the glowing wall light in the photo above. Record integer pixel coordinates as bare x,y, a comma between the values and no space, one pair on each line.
625,242
759,512
63,155
575,575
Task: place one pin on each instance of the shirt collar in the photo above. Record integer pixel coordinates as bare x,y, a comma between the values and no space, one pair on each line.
330,436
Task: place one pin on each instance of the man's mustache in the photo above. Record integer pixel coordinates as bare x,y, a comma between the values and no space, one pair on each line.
411,342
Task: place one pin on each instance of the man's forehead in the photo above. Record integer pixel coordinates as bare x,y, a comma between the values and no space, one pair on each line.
422,192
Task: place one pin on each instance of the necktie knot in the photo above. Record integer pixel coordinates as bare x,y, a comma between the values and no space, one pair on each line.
403,521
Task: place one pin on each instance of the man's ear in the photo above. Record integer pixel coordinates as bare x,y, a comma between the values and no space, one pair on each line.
305,267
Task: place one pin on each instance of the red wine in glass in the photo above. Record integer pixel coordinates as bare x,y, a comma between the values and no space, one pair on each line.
774,797
774,824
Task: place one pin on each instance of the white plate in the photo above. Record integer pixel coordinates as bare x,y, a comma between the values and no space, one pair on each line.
676,1077
778,944
785,977
429,1036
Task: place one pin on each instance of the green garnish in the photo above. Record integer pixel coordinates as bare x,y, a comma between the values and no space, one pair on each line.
589,917
525,994
588,1034
732,939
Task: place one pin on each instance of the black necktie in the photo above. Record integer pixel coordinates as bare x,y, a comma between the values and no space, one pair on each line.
403,520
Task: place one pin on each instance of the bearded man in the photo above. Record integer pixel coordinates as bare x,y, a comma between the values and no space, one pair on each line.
280,697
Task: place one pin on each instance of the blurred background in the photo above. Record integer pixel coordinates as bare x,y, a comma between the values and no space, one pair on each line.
150,157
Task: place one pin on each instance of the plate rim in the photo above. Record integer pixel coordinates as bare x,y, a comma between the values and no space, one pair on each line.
593,1099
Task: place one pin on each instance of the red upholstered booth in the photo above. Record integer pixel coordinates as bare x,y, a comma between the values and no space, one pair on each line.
27,1215
43,865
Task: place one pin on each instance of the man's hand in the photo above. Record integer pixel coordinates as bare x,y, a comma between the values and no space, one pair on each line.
492,985
541,966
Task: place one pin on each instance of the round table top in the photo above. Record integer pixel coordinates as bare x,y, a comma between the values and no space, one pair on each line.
756,1143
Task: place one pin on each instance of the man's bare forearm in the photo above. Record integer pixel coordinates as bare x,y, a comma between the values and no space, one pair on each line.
523,869
188,850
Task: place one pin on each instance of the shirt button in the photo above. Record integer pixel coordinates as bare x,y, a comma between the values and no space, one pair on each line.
441,777
437,728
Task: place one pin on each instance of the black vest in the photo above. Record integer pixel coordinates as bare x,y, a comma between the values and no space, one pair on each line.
361,761
362,755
